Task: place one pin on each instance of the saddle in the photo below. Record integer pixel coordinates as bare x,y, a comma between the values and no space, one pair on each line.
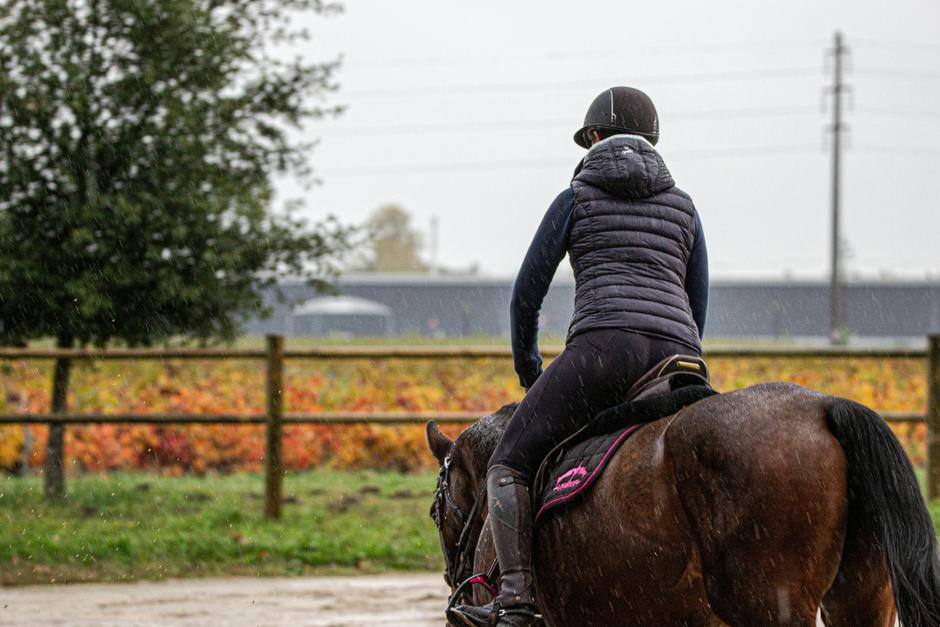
670,374
573,466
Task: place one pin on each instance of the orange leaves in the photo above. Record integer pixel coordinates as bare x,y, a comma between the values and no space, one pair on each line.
11,445
221,387
887,384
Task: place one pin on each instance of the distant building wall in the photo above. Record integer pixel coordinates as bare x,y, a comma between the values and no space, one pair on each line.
465,306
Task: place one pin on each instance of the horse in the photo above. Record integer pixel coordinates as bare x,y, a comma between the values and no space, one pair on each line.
756,507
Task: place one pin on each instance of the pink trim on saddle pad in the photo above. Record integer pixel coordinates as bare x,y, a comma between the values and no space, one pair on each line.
597,469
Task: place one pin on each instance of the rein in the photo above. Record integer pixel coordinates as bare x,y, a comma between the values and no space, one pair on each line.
457,566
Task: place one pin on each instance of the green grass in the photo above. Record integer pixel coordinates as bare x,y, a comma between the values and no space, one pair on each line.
134,526
128,526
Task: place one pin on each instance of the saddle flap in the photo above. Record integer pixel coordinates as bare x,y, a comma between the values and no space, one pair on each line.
570,473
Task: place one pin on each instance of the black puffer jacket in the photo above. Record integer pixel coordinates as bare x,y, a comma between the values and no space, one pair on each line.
630,243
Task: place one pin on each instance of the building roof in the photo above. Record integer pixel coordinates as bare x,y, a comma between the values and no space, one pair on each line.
565,278
341,306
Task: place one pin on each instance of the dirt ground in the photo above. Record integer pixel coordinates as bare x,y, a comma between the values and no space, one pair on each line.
393,600
398,600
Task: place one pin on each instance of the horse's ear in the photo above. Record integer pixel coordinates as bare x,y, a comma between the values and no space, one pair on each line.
439,443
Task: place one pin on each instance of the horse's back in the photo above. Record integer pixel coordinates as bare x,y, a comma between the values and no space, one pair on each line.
752,420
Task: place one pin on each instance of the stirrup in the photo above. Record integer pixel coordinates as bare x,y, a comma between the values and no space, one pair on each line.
480,579
485,616
532,613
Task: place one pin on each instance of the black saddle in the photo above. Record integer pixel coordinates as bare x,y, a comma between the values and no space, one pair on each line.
670,374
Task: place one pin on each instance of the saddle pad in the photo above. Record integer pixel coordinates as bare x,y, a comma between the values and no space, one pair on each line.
578,469
567,473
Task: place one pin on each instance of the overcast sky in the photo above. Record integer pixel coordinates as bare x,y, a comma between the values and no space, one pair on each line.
465,111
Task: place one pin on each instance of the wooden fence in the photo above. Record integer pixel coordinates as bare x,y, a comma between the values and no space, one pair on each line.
275,417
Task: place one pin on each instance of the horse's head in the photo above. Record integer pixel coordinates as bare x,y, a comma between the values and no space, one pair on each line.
459,508
459,504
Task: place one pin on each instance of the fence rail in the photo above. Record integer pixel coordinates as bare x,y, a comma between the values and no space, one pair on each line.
439,352
275,356
325,418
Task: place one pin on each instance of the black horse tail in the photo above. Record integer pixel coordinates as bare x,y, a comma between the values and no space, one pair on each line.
884,494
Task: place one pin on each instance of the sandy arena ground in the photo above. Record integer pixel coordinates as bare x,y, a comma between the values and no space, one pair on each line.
393,600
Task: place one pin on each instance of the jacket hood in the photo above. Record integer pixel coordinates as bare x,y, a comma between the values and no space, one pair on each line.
625,165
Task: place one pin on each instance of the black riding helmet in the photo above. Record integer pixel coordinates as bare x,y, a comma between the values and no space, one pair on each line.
622,110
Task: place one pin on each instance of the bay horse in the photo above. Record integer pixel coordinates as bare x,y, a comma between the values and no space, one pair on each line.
754,507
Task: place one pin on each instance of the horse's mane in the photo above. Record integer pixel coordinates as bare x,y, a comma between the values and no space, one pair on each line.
483,435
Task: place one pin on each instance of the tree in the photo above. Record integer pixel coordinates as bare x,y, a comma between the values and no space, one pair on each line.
393,244
138,139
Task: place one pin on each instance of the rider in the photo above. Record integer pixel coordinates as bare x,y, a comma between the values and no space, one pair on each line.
637,248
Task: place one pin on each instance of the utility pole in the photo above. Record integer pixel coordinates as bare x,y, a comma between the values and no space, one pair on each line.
837,318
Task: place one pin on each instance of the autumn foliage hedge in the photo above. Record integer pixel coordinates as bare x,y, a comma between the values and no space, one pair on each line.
214,387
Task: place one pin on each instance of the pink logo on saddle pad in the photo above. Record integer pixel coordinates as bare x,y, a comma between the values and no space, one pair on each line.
570,479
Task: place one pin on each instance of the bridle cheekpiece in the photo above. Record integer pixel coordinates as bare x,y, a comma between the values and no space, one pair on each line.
457,567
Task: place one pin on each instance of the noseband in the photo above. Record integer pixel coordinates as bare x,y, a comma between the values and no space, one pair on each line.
457,567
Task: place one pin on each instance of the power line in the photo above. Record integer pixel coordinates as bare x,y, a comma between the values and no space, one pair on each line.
899,150
900,113
510,56
901,74
530,164
915,47
587,83
563,123
463,167
753,151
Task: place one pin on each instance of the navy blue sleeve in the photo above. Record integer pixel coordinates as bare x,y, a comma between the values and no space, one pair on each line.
696,278
547,250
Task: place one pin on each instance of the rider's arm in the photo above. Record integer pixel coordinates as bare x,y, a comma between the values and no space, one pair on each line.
696,278
547,250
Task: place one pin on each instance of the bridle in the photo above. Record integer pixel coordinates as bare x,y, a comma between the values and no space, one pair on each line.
457,566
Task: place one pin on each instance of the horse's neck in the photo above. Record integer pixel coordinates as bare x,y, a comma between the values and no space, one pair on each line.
489,430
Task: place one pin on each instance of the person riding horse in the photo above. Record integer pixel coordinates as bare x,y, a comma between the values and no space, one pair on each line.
637,249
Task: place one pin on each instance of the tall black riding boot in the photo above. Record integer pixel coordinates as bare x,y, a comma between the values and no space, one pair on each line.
511,524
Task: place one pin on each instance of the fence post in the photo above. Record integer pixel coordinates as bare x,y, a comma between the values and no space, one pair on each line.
933,417
273,464
54,466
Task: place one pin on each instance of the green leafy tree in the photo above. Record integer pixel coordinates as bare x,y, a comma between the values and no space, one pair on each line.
393,244
138,139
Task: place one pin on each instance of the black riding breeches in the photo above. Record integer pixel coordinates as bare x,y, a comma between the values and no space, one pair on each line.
594,372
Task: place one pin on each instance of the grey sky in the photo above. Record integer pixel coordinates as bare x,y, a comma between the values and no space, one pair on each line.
466,111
